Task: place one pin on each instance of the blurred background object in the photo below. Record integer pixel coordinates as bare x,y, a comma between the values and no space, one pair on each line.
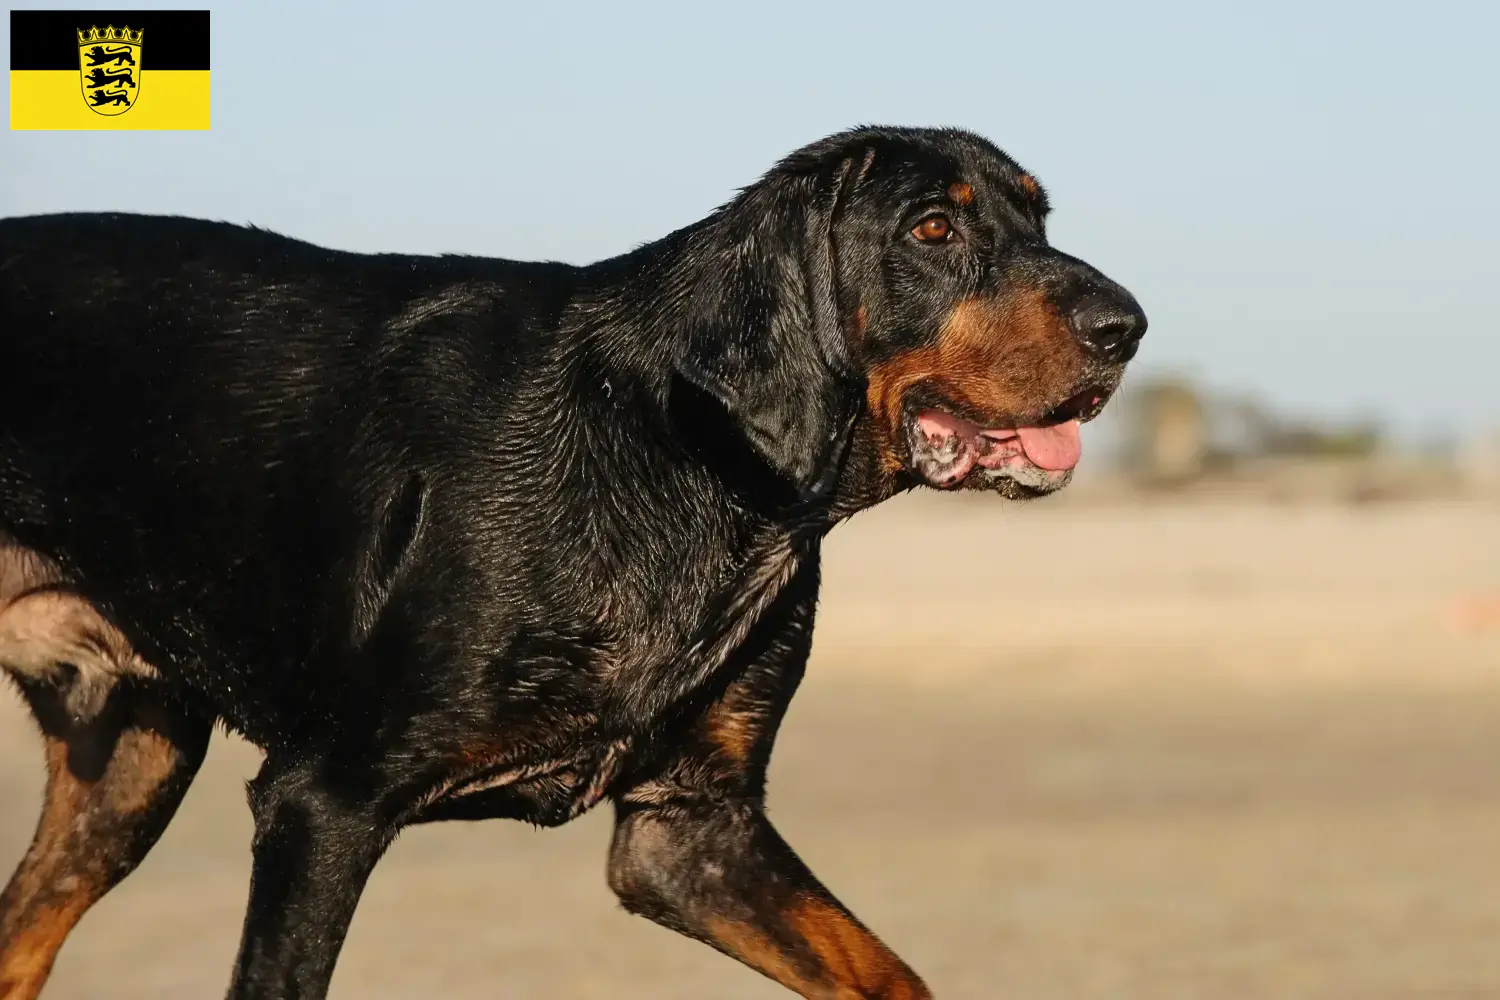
1168,442
1169,434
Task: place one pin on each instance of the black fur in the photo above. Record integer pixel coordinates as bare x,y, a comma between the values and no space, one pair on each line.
458,538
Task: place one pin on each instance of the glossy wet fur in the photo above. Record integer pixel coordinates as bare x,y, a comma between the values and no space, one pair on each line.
460,538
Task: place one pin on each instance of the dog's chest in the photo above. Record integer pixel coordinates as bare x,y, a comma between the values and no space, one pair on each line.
583,706
545,790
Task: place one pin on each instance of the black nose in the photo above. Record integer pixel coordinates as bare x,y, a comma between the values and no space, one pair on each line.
1109,326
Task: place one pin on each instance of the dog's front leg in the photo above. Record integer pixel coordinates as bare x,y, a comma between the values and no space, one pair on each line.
719,872
316,842
693,849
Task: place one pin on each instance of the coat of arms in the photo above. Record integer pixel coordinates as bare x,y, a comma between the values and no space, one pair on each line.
110,64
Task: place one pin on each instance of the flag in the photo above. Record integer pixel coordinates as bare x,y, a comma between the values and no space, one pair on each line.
109,69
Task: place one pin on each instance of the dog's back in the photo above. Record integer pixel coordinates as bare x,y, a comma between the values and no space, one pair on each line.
187,436
167,415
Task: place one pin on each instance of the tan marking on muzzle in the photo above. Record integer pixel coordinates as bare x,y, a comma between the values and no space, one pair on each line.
1003,357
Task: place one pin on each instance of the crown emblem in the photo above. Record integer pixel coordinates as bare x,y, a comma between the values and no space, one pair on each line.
109,34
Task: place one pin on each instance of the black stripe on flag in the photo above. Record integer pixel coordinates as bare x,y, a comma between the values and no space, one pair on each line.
48,39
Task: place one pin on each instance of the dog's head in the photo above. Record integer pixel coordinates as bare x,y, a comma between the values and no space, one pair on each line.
897,285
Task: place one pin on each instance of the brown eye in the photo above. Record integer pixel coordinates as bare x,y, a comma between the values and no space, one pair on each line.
934,229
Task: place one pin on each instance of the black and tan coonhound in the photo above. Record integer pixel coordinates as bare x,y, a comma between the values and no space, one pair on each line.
456,538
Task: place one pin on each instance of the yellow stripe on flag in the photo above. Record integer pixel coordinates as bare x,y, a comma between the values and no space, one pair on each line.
53,99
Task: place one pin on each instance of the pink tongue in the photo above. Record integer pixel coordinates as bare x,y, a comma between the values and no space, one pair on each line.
1053,448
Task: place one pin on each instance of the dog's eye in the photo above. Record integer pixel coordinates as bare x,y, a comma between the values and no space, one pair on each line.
933,229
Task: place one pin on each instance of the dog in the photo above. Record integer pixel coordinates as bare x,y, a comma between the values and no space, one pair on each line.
463,538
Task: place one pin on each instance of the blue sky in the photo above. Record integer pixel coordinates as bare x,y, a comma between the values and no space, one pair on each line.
1303,196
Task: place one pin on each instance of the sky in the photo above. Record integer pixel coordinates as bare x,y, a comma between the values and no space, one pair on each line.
1304,196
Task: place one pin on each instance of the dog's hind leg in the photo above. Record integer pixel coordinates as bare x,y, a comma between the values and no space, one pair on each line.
114,780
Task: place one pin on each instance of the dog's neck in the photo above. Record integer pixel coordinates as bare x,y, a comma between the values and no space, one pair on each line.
628,324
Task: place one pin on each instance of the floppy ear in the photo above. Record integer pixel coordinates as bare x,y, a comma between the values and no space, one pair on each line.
764,334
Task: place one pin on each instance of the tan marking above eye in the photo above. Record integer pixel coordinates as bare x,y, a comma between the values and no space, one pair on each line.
933,229
961,192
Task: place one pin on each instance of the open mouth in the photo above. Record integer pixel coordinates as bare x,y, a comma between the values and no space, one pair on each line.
1038,456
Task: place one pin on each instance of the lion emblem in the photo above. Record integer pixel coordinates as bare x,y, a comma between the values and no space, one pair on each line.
109,64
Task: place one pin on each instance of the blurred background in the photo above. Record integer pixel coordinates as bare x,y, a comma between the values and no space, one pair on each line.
1221,720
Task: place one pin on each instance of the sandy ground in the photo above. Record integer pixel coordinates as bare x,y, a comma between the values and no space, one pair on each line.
1062,751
